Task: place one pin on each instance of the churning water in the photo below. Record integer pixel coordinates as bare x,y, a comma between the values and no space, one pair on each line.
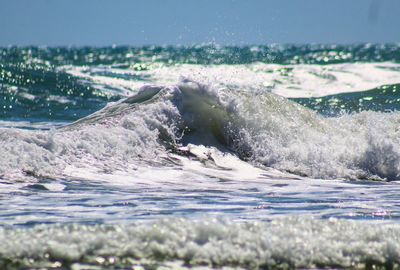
202,157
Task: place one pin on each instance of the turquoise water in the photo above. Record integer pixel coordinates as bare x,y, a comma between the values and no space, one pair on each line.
258,157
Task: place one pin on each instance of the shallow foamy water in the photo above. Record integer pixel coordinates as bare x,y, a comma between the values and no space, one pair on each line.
151,194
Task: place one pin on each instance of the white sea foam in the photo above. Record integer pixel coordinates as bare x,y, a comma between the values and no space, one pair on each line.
289,137
179,243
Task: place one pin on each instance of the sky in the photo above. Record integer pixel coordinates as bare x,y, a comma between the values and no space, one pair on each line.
187,22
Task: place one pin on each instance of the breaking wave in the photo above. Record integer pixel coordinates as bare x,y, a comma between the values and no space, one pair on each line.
259,127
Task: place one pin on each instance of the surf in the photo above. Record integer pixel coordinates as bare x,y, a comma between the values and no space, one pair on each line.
259,128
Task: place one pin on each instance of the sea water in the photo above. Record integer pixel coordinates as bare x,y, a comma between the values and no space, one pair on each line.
206,156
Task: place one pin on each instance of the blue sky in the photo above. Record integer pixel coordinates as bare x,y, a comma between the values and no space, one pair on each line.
240,22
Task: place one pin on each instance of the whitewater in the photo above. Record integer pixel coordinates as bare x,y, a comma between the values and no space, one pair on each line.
166,165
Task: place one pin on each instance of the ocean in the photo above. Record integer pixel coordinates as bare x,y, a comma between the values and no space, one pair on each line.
200,157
